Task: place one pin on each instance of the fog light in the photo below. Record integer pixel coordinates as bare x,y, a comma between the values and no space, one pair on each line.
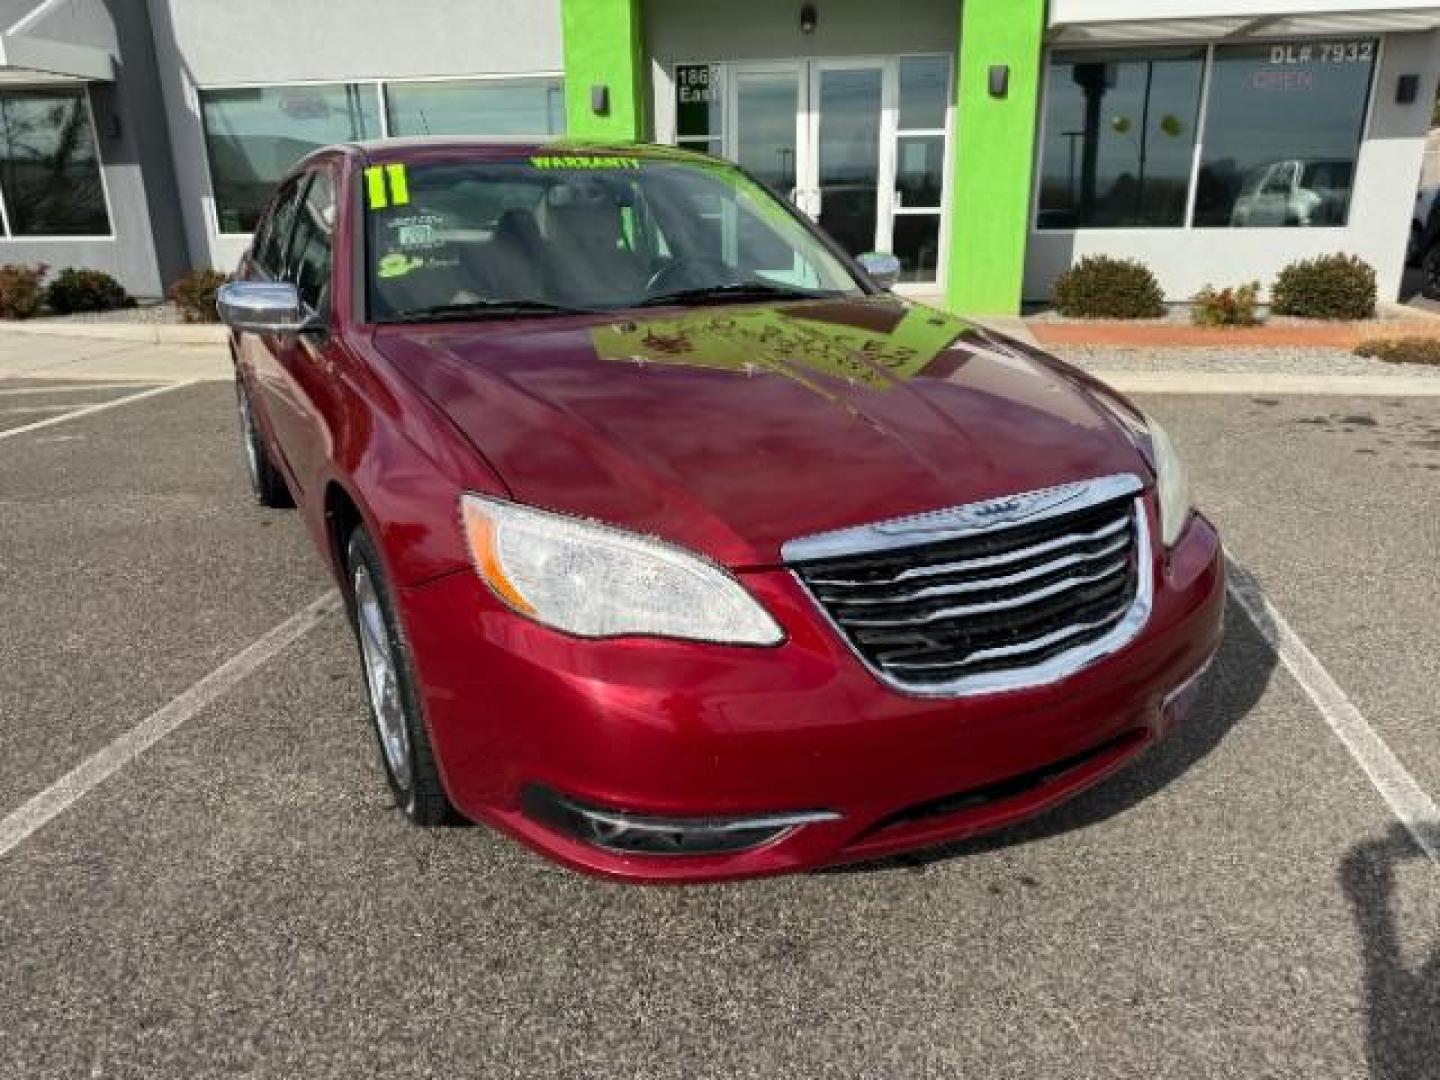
640,834
1178,701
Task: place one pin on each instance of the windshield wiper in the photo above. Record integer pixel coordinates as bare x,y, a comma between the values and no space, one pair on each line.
471,309
737,290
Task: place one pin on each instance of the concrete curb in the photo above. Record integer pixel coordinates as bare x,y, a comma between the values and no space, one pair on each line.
149,333
1158,382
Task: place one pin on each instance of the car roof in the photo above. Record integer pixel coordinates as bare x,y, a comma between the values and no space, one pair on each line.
438,147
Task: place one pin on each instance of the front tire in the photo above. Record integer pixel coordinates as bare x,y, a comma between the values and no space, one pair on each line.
265,479
405,751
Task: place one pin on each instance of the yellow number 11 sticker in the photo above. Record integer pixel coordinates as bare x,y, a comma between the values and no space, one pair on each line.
387,185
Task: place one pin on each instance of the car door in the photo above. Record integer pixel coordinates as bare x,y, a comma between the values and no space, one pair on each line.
257,354
304,387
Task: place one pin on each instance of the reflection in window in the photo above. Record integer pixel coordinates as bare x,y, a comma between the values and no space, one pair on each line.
849,155
917,246
254,136
1282,133
1119,138
924,92
49,166
309,259
765,107
481,107
920,169
920,166
273,239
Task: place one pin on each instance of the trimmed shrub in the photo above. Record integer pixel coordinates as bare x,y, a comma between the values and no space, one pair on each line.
20,290
1226,307
1099,287
1336,287
1404,350
85,290
194,295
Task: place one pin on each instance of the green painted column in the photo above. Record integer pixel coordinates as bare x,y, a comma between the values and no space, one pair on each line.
994,153
604,45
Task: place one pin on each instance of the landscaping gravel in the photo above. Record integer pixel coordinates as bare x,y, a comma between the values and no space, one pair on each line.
1228,361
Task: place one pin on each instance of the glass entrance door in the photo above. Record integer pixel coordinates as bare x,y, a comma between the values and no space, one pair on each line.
858,145
768,103
846,105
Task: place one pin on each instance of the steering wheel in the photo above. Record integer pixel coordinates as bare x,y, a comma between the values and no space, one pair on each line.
690,272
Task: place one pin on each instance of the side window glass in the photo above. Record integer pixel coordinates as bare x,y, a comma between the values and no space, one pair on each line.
271,241
309,263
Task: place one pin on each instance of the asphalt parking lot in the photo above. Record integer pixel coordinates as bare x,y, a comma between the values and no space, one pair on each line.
239,898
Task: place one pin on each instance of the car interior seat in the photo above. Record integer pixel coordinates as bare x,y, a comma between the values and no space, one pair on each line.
586,262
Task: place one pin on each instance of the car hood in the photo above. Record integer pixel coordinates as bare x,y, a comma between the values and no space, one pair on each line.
732,429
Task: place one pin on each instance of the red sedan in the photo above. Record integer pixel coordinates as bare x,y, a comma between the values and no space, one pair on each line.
678,548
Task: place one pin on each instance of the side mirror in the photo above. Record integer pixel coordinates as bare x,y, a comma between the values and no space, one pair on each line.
883,268
263,307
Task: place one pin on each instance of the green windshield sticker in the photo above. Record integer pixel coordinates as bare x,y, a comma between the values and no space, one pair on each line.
571,161
386,185
397,264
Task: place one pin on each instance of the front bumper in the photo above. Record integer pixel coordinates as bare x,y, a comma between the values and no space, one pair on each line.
669,729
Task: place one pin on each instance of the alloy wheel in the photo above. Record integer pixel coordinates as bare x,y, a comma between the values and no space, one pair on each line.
382,678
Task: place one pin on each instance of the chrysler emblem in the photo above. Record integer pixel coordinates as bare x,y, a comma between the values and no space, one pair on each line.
1009,510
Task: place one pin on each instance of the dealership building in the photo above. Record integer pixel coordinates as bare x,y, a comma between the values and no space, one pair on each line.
987,143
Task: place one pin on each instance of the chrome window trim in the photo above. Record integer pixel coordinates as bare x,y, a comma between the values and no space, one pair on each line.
964,521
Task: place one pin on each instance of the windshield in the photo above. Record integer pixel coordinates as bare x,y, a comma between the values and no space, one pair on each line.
587,232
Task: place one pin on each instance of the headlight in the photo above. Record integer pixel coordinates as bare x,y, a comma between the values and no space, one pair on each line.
597,581
1172,486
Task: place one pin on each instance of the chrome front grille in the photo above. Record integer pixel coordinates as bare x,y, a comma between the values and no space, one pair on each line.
1013,592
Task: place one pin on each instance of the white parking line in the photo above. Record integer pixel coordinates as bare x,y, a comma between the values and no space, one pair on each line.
90,410
1407,800
100,766
68,388
31,410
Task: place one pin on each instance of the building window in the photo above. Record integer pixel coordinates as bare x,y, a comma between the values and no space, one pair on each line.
1119,139
49,165
1282,133
1283,127
920,138
255,135
494,107
700,108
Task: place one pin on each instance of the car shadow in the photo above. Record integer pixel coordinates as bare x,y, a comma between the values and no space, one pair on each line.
1229,690
1402,1001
